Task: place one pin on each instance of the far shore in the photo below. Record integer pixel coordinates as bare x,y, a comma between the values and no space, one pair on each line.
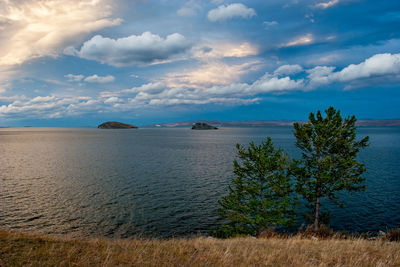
234,124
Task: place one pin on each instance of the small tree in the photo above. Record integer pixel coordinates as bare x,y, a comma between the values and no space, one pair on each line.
260,195
329,153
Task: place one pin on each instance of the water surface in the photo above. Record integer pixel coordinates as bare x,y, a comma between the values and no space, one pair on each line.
159,182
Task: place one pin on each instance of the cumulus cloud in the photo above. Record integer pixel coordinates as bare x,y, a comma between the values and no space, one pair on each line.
209,74
288,69
328,4
264,85
375,66
90,79
226,12
166,96
74,78
112,99
212,70
380,65
99,79
320,75
50,107
144,48
32,29
269,83
224,101
149,88
378,68
235,93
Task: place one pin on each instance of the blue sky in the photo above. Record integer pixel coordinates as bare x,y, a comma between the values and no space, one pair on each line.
83,62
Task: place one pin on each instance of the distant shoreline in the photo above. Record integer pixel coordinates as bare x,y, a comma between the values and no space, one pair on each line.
265,123
227,124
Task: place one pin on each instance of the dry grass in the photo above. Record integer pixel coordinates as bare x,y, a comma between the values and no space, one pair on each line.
18,249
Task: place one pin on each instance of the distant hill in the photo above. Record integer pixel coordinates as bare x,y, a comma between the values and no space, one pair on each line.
388,122
116,125
261,123
203,126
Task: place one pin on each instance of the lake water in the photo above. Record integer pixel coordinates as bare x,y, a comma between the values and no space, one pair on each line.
160,182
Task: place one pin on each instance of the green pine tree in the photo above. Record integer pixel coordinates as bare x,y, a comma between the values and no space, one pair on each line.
260,195
329,159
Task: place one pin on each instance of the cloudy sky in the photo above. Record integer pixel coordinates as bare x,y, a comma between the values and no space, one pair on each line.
82,62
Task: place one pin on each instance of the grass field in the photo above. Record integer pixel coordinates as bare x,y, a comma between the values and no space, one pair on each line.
17,249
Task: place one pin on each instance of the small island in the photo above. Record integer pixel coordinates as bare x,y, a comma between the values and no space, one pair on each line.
116,125
203,126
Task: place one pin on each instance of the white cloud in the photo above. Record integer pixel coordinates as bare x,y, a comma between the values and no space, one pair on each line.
302,40
10,99
328,4
226,12
212,70
269,83
320,75
225,49
269,24
149,88
234,93
288,69
265,85
221,101
112,99
99,79
144,48
375,66
209,74
50,107
34,29
74,78
374,70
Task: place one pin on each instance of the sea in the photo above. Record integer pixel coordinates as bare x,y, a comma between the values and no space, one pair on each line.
162,182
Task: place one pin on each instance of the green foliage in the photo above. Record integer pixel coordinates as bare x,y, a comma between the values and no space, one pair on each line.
260,195
329,159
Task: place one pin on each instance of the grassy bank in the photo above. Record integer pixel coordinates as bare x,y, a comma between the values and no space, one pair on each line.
18,249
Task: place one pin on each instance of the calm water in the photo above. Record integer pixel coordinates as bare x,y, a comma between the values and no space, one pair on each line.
159,182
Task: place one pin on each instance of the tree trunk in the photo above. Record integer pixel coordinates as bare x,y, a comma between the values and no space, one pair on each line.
316,221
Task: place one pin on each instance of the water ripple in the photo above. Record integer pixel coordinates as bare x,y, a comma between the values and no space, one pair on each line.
159,182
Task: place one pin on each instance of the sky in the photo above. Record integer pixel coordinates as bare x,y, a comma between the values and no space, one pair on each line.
83,62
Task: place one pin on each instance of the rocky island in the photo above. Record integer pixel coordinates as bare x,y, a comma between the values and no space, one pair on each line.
116,125
203,126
